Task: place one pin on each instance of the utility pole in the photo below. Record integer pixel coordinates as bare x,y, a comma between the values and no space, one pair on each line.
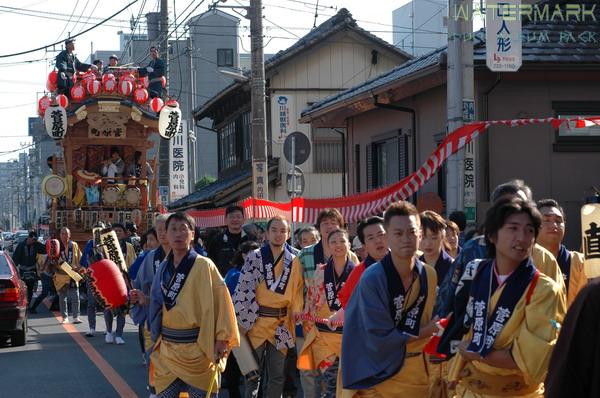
459,87
260,169
163,51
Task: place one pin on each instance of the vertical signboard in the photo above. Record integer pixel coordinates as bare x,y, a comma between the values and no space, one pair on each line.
282,117
469,184
178,164
503,35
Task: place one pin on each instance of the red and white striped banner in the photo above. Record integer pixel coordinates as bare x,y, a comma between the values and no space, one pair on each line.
360,206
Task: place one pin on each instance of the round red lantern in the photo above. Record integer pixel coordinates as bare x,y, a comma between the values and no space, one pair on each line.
93,87
43,104
53,249
106,77
78,92
127,78
88,77
164,81
140,95
62,100
156,104
52,80
108,283
110,85
53,76
125,88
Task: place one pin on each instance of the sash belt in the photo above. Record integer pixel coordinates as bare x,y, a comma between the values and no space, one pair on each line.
413,354
269,312
180,335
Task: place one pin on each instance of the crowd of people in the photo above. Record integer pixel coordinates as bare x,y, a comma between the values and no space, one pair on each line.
411,306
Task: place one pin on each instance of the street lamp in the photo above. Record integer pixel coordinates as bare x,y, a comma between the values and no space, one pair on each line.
234,75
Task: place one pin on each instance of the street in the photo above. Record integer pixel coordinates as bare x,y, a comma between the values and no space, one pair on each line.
59,361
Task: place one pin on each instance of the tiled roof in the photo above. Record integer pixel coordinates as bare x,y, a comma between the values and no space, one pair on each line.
542,44
343,20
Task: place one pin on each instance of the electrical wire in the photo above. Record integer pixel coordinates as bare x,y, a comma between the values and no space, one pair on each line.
68,22
78,34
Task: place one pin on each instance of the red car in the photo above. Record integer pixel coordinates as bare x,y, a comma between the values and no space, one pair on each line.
13,303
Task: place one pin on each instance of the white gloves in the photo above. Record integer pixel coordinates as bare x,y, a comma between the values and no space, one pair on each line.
150,69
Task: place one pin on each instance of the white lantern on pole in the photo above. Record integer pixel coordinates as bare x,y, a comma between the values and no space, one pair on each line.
55,120
169,120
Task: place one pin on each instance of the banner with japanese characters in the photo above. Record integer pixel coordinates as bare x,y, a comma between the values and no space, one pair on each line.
283,116
503,35
178,164
590,239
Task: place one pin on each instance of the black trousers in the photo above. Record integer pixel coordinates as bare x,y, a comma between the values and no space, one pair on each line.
232,377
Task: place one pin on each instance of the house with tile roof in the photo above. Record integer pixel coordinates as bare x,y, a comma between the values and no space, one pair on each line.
395,120
336,55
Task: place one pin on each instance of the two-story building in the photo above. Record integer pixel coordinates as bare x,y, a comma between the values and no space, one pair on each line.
395,121
336,55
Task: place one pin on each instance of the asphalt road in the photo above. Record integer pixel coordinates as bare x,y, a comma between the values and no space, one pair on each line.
59,361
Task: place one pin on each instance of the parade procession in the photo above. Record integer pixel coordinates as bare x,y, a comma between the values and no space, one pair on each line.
318,199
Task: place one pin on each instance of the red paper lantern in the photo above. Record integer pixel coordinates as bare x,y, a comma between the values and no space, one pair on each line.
62,101
53,249
110,85
88,77
108,76
140,95
43,104
164,81
52,80
156,104
93,87
53,76
127,78
108,283
78,92
125,88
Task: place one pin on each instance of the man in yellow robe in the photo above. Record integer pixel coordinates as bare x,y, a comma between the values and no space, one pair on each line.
66,287
268,294
514,312
551,236
388,318
191,315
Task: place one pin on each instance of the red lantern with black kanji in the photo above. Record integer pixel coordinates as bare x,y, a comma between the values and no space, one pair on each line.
156,104
93,87
53,249
125,88
78,92
43,104
106,77
140,95
108,284
62,101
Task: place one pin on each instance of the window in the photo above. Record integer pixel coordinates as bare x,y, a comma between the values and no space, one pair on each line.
327,150
569,138
225,57
387,161
235,144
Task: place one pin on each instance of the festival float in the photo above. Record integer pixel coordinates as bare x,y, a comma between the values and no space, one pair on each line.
104,113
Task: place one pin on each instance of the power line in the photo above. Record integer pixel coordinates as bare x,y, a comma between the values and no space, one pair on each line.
78,34
68,22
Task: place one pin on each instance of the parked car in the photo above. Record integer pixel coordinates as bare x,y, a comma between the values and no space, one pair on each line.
13,303
7,240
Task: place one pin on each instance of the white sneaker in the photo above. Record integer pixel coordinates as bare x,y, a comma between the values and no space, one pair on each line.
77,320
110,338
119,341
91,333
65,320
